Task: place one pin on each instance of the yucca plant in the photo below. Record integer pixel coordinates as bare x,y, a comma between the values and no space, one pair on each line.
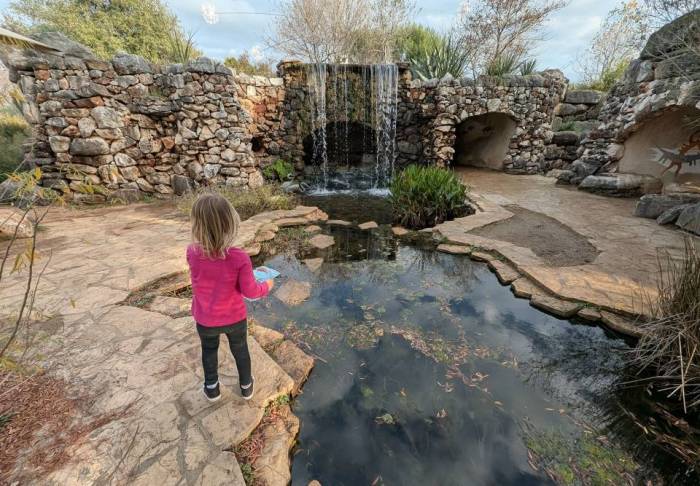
423,196
527,67
503,65
443,57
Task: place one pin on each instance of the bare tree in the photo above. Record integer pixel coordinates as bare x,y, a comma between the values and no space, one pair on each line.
664,11
620,38
321,31
500,27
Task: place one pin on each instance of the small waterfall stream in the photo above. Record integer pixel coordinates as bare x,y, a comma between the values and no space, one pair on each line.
341,95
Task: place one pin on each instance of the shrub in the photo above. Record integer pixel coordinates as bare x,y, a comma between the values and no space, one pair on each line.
670,345
13,132
439,58
248,202
503,65
425,196
281,170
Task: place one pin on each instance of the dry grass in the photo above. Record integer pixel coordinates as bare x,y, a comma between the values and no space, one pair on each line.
248,202
670,346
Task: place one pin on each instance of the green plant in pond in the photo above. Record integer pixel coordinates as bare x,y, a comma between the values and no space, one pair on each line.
579,461
280,170
363,336
423,196
248,202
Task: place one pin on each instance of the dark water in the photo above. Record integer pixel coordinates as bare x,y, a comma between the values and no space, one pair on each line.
428,371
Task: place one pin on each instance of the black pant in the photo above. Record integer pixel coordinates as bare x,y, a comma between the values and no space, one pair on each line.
237,335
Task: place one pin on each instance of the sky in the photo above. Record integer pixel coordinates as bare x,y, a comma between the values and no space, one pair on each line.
568,31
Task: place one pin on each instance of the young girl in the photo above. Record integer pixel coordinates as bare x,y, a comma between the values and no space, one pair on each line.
221,276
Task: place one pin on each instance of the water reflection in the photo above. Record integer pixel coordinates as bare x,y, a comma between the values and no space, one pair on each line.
434,373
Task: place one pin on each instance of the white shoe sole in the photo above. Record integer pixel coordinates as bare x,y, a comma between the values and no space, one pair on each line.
251,395
215,399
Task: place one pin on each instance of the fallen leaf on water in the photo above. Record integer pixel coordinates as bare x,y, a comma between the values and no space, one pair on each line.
441,414
498,403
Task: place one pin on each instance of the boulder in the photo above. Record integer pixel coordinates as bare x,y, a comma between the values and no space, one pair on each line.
130,64
621,185
689,219
653,205
67,46
293,292
670,216
583,96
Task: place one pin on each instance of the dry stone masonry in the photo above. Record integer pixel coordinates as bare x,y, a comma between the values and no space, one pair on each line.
125,128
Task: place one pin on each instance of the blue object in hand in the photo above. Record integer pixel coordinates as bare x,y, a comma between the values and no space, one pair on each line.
263,274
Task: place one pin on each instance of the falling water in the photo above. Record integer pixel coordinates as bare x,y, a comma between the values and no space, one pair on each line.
329,88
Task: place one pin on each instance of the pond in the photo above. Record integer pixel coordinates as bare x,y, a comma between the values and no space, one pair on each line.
428,371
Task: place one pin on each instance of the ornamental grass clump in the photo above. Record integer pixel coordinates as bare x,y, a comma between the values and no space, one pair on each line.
423,196
669,350
248,202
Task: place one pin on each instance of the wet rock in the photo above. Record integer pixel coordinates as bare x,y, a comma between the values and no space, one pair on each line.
322,241
653,205
272,468
268,338
313,264
454,249
620,324
689,219
368,225
295,362
293,292
558,307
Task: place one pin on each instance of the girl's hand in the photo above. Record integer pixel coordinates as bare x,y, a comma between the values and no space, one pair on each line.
270,284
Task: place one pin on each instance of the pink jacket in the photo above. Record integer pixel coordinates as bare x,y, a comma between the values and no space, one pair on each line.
219,285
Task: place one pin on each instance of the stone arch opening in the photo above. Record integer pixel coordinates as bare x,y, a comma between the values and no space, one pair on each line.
484,140
349,145
665,146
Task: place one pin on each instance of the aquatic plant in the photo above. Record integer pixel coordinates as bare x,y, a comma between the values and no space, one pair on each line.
280,170
670,345
248,202
423,196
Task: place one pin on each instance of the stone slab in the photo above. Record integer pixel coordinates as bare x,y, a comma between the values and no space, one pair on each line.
505,273
293,292
454,249
322,241
558,307
368,225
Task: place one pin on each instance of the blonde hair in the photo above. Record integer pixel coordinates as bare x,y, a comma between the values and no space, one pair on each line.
214,224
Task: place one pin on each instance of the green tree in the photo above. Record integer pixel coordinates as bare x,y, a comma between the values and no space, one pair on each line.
245,64
415,39
144,27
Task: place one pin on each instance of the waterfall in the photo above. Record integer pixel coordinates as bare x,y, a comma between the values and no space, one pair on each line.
330,88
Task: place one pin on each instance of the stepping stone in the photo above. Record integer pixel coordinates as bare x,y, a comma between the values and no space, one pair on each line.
338,222
505,273
295,362
368,225
590,314
287,222
322,241
314,264
399,231
454,249
558,307
266,337
620,324
170,306
293,292
312,229
480,256
524,288
253,249
265,236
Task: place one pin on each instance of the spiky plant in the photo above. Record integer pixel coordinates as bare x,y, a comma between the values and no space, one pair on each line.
527,67
503,65
443,57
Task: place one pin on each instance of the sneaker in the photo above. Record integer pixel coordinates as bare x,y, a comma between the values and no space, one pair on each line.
248,390
212,394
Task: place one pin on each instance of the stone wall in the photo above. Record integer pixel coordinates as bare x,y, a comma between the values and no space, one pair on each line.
124,128
434,109
665,79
